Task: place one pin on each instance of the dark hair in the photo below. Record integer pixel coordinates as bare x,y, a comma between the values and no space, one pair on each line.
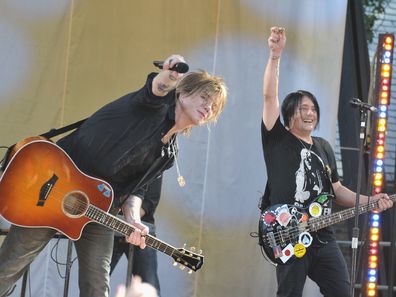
292,102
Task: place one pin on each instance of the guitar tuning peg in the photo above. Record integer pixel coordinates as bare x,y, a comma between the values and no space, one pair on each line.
182,267
200,252
184,246
190,271
174,263
192,248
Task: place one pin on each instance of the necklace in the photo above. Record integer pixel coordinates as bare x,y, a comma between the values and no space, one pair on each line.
304,146
171,151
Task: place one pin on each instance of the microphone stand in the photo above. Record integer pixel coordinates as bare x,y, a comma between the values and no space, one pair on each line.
355,230
130,265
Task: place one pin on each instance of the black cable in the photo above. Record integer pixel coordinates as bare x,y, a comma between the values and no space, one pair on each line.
55,259
30,284
10,291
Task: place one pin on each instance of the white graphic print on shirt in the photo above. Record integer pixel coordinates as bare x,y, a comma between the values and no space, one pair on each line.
308,176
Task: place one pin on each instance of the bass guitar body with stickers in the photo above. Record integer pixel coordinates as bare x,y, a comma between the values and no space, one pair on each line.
286,231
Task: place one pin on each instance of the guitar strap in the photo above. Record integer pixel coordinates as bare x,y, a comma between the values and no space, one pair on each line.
154,171
51,133
55,132
264,201
323,154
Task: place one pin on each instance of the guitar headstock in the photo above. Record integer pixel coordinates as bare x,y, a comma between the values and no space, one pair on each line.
188,258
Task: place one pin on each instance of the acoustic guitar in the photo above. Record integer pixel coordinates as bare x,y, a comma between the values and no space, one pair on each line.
42,187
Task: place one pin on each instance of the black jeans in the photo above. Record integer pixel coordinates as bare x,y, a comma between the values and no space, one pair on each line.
324,265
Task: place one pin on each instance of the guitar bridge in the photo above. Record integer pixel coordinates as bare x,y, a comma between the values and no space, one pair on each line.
46,189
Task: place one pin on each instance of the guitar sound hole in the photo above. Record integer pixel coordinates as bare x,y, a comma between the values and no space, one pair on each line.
75,204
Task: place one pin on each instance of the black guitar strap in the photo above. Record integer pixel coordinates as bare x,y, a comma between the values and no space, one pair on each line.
55,132
323,154
264,201
51,133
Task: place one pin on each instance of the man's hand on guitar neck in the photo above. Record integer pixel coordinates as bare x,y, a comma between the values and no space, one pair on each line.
346,197
132,211
384,202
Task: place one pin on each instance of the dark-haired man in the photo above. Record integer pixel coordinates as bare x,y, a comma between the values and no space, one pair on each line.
299,168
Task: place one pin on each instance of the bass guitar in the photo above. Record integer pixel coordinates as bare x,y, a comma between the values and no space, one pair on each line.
42,187
286,231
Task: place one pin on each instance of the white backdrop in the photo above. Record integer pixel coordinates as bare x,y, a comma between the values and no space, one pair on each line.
61,60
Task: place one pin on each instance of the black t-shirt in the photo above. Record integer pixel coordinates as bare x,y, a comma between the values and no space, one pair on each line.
297,172
122,140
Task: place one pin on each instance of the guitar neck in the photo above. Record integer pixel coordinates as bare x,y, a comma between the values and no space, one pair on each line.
116,224
316,224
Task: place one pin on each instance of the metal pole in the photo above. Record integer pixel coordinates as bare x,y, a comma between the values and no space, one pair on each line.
355,230
68,267
392,253
130,265
24,282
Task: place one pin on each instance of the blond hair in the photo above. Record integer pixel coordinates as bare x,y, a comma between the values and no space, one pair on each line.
202,82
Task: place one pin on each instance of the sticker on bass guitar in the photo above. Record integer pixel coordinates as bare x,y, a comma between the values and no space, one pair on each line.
315,210
288,251
296,214
268,218
283,215
322,199
299,250
304,217
305,239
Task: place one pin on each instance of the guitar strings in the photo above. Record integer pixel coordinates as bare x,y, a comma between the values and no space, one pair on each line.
296,230
82,207
97,215
283,234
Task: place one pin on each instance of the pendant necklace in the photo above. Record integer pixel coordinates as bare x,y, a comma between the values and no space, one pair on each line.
171,151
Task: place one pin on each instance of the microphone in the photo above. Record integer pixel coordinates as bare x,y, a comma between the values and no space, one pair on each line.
179,67
355,102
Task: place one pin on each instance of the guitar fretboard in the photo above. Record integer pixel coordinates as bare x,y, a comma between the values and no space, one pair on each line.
314,224
126,229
